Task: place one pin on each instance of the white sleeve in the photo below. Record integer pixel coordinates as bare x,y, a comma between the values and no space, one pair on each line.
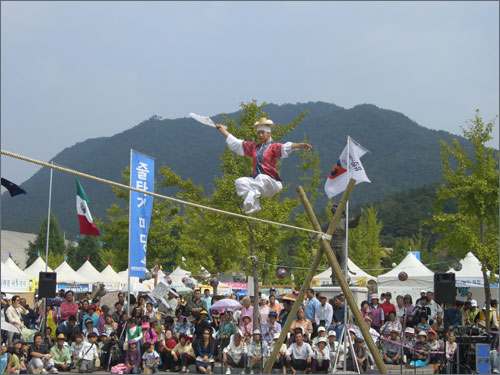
235,144
286,150
289,351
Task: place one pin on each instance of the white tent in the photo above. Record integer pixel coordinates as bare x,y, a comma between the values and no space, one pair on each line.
37,266
470,275
178,274
419,278
109,275
357,275
14,280
88,271
66,274
124,277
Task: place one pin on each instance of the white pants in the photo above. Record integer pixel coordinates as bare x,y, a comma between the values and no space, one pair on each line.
39,362
252,188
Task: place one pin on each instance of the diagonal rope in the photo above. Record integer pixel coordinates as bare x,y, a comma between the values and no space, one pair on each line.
176,200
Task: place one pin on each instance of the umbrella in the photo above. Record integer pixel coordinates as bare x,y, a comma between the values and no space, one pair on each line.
226,304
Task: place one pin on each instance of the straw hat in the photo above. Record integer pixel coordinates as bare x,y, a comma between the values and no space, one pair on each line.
263,122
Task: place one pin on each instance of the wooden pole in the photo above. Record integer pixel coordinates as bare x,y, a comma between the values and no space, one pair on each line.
307,282
325,245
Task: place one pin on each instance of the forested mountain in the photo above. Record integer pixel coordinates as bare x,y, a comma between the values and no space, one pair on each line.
402,155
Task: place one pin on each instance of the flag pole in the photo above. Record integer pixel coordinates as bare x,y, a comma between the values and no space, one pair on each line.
129,225
47,248
346,254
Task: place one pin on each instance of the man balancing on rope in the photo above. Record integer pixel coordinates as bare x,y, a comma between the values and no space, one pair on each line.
265,180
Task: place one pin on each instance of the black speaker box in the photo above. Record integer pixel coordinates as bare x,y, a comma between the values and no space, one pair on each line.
47,284
444,288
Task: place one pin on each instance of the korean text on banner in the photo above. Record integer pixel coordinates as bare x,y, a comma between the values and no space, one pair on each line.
141,206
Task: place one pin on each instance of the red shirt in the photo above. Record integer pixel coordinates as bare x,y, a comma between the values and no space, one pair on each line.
268,162
387,307
68,309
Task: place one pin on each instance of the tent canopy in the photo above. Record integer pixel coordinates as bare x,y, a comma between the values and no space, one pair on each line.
13,279
355,273
88,271
66,274
470,274
109,275
37,267
15,268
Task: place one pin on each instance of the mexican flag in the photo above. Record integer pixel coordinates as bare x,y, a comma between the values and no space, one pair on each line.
84,217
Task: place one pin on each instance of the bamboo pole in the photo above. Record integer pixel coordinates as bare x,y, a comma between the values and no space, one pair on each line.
325,245
307,282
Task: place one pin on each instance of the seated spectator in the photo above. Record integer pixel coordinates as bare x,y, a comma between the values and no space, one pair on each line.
183,354
279,363
183,327
109,326
89,328
234,354
298,355
165,349
321,357
69,327
357,356
271,327
204,350
301,321
40,357
421,351
133,358
246,326
408,343
391,322
451,349
150,358
76,348
6,360
423,325
89,353
321,334
133,332
373,333
19,358
91,314
392,348
256,351
226,330
61,357
453,317
201,324
435,345
114,348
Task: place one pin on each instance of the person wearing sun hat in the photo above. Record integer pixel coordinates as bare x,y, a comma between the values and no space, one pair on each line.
421,350
62,357
264,180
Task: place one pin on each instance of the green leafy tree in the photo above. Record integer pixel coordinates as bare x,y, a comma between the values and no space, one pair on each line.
88,246
473,185
364,242
56,244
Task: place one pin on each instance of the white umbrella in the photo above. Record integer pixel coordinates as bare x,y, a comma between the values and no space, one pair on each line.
226,304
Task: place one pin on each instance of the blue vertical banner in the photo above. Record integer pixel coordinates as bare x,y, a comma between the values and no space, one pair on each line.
140,207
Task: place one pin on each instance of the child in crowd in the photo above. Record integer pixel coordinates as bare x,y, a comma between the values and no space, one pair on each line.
89,352
150,359
133,358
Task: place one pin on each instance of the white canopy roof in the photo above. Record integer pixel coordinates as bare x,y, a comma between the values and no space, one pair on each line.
355,273
13,279
88,271
66,274
109,275
419,278
37,266
470,274
124,277
178,274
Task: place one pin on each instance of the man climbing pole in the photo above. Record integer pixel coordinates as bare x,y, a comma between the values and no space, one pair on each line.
264,180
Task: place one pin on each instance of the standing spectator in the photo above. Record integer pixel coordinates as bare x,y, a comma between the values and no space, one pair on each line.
234,353
61,356
377,313
436,345
204,349
274,305
451,348
118,312
169,309
196,305
82,313
422,308
206,297
263,310
453,316
409,308
338,316
285,311
299,355
133,332
470,314
69,307
89,353
365,309
133,358
433,305
312,304
387,306
40,357
246,310
324,313
400,309
422,293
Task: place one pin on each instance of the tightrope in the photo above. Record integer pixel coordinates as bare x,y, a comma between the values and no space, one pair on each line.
172,199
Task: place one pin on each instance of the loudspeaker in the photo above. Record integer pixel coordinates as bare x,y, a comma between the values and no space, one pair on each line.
47,284
444,288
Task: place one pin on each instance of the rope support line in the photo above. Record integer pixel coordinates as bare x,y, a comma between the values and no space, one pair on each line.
160,196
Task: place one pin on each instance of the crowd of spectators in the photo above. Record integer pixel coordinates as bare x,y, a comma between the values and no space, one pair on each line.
83,336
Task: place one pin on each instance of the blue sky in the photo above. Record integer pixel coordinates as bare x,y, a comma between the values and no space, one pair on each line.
78,70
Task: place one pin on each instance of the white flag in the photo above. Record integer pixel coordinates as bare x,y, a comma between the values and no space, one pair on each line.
205,120
336,182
